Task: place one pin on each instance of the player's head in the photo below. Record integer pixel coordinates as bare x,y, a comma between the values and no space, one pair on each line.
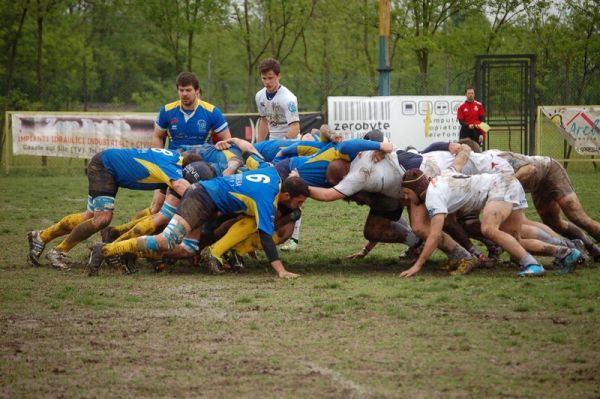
199,170
414,185
189,157
470,93
336,170
269,70
188,88
374,135
294,192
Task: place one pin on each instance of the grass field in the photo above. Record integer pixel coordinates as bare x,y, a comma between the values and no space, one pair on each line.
343,329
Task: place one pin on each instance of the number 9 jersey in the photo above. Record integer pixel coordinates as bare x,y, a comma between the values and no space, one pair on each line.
254,193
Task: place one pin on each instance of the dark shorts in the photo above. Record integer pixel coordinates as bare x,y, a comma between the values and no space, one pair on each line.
555,185
196,206
100,181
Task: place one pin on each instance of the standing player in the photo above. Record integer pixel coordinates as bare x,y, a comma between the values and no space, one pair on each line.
279,117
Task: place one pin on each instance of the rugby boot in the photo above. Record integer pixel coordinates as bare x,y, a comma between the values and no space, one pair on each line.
580,246
465,266
532,270
211,262
36,247
450,265
570,261
235,262
108,235
95,260
128,261
290,245
58,259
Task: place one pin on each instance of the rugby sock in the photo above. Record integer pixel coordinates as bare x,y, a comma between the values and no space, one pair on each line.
296,233
236,233
81,232
144,227
412,239
62,227
547,238
141,214
528,260
252,244
123,247
125,227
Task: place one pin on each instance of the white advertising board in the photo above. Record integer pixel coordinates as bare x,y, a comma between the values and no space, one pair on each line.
405,120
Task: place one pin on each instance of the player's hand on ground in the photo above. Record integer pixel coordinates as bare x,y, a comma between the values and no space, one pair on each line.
357,255
410,272
286,274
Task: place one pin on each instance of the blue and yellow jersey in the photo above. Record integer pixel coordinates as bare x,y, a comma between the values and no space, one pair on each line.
254,193
313,169
185,127
216,158
143,168
289,148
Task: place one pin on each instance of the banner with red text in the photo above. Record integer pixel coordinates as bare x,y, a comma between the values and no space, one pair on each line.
79,135
579,125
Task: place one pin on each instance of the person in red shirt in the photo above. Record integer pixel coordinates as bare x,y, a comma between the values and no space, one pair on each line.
470,114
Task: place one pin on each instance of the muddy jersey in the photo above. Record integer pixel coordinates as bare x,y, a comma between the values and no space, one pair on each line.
280,111
486,162
517,161
313,169
453,192
435,162
383,177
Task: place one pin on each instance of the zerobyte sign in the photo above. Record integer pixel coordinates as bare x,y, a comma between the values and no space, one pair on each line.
405,120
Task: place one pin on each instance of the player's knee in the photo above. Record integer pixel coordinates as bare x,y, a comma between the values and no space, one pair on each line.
489,230
102,219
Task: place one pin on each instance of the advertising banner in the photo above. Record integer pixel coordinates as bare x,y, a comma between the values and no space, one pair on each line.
579,125
405,120
79,136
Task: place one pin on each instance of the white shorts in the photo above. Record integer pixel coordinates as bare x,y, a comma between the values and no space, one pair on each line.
508,189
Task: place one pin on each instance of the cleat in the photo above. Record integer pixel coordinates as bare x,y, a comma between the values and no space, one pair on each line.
290,245
580,246
108,235
450,265
412,253
36,247
58,259
95,260
532,270
234,260
569,262
128,263
494,253
211,262
464,266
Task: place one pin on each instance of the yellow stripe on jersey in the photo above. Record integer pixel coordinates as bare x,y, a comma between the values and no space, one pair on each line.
156,173
207,106
331,154
228,154
172,105
307,150
252,164
250,205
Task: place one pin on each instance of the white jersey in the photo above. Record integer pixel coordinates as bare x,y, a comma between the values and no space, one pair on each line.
383,177
486,162
280,111
435,162
455,192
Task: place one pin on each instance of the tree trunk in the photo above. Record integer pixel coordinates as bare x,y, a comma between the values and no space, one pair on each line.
423,60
